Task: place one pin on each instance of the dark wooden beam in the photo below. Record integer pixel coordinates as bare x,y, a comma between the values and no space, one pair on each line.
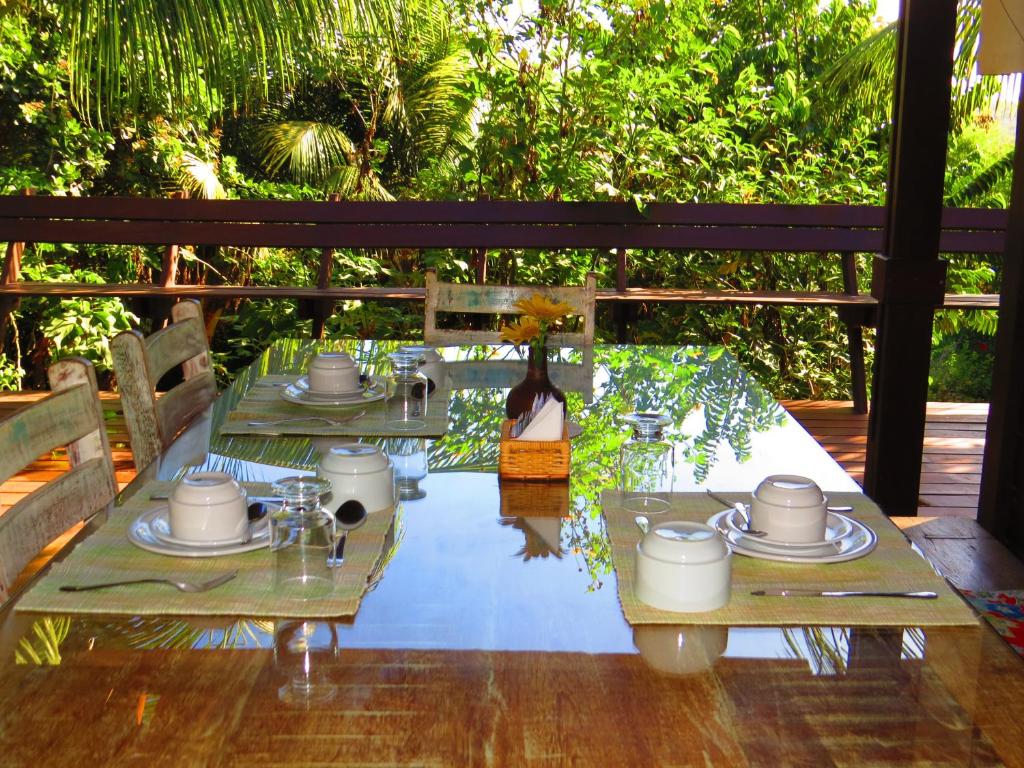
909,279
1001,505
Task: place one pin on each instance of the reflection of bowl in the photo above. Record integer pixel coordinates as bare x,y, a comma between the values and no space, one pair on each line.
683,566
680,650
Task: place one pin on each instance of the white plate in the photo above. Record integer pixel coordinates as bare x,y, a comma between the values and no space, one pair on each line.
857,542
374,391
141,533
160,525
836,527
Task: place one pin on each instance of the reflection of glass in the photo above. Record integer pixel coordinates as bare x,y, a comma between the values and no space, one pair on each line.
646,464
409,458
301,649
406,404
302,538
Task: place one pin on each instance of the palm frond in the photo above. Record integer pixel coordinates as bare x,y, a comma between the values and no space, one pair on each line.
309,150
186,52
982,182
199,178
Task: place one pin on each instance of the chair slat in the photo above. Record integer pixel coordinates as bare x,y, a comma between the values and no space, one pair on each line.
57,420
176,408
173,345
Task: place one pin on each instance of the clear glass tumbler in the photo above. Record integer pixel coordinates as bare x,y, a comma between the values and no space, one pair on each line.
407,393
647,465
302,539
409,458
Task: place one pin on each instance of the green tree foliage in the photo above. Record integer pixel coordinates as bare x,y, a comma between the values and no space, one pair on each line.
642,100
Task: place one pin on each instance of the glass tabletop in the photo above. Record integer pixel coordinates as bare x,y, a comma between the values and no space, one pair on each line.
495,628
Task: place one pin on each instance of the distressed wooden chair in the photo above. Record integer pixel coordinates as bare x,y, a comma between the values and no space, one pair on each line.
499,300
72,416
140,362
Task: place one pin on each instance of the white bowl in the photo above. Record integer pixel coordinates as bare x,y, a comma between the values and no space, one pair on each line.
789,491
333,373
680,651
683,566
358,471
789,508
207,506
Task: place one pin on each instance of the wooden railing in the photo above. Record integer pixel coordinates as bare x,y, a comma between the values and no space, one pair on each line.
614,228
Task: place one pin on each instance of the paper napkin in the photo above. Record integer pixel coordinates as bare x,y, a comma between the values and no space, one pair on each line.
546,425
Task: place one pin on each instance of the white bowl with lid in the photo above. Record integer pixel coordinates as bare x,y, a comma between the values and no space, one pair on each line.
333,373
358,471
683,566
207,506
789,508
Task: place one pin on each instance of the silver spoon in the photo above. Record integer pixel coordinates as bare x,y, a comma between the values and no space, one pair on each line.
642,523
741,509
349,515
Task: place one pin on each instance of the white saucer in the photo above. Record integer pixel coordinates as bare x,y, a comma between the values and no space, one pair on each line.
857,541
143,534
300,394
160,525
836,527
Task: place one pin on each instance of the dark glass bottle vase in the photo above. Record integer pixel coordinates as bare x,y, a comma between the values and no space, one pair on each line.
521,396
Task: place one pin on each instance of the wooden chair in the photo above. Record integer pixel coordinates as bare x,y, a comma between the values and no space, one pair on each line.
72,416
499,300
140,363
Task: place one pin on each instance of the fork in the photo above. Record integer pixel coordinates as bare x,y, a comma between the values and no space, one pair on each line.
184,586
296,419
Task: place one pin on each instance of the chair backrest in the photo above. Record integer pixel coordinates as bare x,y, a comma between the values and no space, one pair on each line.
499,300
140,362
72,416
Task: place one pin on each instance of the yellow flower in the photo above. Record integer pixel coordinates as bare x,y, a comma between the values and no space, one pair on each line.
543,308
522,331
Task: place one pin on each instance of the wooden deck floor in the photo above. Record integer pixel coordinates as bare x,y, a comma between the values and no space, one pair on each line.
953,446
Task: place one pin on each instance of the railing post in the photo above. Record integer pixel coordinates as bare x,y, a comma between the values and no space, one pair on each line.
324,308
11,275
622,308
159,309
480,263
999,507
909,279
854,320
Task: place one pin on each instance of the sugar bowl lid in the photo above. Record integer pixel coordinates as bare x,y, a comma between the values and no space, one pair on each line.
354,459
683,542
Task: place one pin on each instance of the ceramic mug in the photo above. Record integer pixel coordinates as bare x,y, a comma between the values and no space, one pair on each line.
789,508
208,506
333,373
360,472
683,566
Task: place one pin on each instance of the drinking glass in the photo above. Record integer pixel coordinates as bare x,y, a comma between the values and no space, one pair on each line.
302,538
409,458
647,465
407,393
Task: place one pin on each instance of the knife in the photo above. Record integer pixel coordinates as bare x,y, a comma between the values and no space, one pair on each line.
825,593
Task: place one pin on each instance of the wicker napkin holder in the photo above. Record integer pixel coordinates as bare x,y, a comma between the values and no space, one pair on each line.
533,459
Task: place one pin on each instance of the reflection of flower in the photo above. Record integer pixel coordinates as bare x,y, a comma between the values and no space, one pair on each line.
539,314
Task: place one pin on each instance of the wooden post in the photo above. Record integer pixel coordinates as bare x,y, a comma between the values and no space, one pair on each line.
854,337
1000,508
11,275
158,309
909,279
622,309
324,308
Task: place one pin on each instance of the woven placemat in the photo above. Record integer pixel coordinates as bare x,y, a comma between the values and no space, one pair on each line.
108,555
263,402
892,566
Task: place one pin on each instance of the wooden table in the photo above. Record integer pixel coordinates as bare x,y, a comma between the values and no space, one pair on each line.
495,636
